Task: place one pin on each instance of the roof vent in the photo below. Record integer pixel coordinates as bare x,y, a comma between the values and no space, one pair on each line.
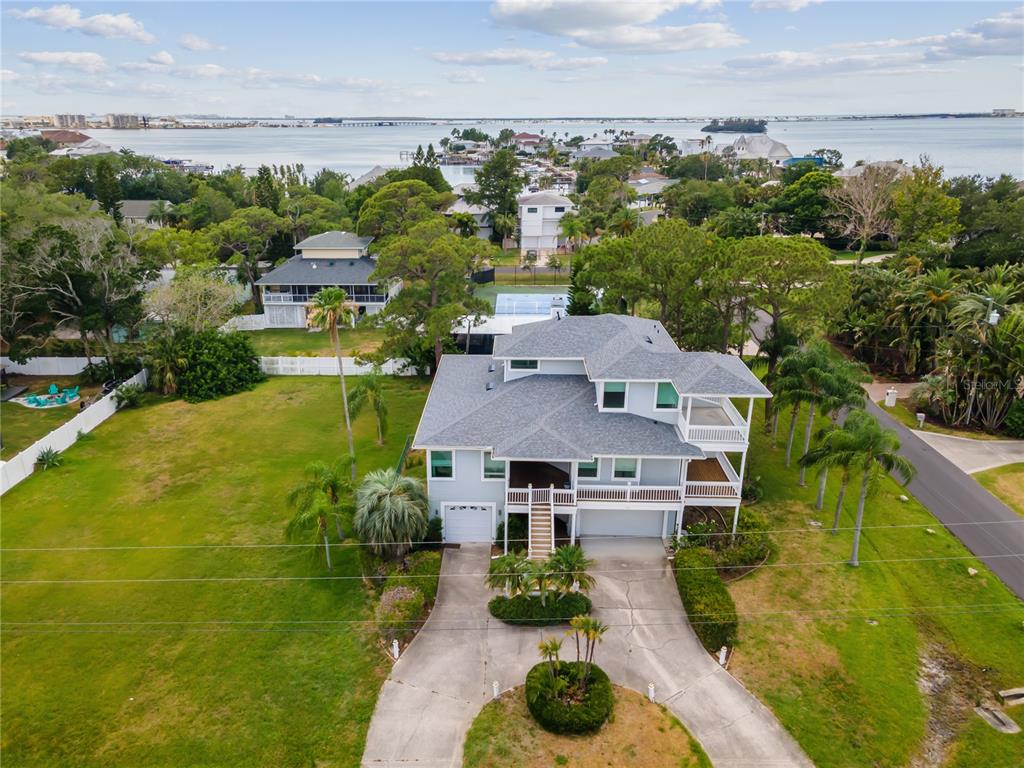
312,266
490,368
648,339
490,385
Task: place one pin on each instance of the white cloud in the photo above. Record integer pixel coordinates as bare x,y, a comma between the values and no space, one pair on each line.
9,76
196,43
1001,35
101,25
207,71
616,26
564,65
790,6
802,65
81,60
494,57
568,17
162,58
633,39
464,76
261,78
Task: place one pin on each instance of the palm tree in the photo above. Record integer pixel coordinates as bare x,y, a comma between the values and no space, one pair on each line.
835,449
369,391
508,573
843,391
549,650
540,579
317,500
391,512
572,229
624,222
569,569
504,224
331,480
160,212
329,307
163,360
592,630
875,455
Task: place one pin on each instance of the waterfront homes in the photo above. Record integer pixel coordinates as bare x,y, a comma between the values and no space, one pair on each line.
329,259
540,214
481,215
585,426
527,142
759,147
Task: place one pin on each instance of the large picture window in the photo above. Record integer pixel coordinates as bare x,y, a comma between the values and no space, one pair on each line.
441,467
625,469
614,395
493,468
587,469
523,365
668,398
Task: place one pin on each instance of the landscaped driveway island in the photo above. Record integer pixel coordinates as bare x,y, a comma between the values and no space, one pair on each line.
446,675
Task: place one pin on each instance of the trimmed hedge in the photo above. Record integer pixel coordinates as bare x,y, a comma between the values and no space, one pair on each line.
707,601
527,611
216,364
558,716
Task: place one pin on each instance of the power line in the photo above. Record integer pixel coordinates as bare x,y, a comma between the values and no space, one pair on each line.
242,579
350,543
788,612
884,613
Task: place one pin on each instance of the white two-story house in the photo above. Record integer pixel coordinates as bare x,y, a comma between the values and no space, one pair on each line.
329,259
589,426
540,216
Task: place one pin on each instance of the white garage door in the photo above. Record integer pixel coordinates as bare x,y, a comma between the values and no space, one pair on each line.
468,522
620,522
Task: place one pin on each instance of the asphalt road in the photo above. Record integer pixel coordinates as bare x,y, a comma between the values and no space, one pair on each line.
955,497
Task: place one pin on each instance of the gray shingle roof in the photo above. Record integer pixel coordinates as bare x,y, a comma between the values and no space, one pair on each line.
300,271
544,197
624,348
334,239
541,417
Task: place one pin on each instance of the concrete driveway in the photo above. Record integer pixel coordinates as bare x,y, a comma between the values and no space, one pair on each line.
444,677
650,641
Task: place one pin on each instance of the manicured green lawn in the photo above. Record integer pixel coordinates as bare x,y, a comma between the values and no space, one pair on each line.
490,291
275,342
21,426
290,676
905,413
820,644
1006,483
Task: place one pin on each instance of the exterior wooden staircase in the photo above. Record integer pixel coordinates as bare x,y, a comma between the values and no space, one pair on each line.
542,535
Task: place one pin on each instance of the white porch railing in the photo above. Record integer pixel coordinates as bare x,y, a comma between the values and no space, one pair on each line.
703,489
708,433
557,497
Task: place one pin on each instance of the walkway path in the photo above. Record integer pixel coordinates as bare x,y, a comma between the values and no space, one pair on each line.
444,677
955,497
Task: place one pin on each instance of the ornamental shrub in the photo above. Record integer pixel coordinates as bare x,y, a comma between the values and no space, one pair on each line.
527,611
216,364
559,716
420,571
518,536
1014,423
706,600
398,612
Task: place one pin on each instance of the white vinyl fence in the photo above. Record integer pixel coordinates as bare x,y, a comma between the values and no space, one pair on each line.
49,366
327,366
246,323
63,437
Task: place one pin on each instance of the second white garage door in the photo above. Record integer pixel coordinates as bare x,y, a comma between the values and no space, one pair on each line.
468,522
620,522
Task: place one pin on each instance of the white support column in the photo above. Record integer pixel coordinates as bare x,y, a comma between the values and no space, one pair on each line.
507,520
750,415
689,408
679,519
572,527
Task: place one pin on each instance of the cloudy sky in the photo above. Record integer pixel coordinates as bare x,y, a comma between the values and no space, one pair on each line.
512,57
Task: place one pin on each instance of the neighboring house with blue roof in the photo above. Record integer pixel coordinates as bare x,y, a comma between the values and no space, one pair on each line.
330,259
588,426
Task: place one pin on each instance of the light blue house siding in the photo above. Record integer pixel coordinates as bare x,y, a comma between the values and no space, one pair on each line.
467,487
